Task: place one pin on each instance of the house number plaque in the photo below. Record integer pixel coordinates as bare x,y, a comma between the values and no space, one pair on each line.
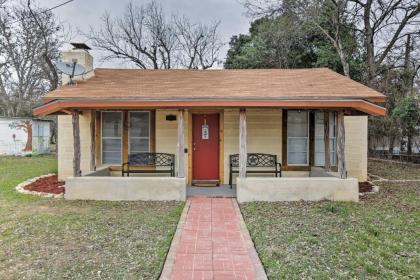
205,132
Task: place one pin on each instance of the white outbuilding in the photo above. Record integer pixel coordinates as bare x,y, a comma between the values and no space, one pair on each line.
22,136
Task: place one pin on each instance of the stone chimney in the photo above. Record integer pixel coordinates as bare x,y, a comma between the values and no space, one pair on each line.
80,54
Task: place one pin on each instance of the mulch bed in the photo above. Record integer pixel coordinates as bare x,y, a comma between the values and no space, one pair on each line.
365,187
47,185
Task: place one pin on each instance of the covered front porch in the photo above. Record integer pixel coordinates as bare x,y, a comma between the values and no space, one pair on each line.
308,145
209,123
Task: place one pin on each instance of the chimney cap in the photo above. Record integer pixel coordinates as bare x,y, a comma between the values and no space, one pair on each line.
81,46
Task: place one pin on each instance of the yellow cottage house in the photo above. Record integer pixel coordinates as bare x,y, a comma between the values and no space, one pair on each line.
261,135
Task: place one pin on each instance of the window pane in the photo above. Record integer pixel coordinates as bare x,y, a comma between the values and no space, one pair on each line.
110,145
333,156
297,151
112,157
297,158
297,145
297,130
297,116
139,145
111,124
297,133
111,137
332,125
319,138
139,124
297,124
319,159
319,125
319,145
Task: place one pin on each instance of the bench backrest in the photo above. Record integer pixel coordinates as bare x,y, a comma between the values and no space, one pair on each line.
151,159
255,160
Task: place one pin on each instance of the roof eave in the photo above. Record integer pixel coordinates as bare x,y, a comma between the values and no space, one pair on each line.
358,104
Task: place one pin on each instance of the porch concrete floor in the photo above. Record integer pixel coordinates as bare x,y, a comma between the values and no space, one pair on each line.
220,191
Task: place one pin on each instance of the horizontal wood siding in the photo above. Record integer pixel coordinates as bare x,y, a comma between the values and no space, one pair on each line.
166,133
264,133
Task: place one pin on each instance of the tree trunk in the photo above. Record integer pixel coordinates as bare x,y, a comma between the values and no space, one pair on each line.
243,157
407,76
342,172
327,141
76,144
92,140
402,141
369,44
409,144
28,128
180,144
391,144
343,59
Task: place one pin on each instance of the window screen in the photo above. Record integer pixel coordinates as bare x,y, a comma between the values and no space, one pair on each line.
139,132
319,138
297,138
111,137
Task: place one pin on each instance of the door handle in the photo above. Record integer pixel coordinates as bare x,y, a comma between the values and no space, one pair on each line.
194,146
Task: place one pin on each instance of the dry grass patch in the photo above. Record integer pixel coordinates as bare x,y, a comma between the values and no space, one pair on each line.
377,238
394,170
56,239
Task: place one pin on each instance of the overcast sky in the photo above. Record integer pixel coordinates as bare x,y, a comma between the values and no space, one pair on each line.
81,14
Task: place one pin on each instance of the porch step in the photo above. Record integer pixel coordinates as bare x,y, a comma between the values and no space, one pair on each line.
206,183
221,191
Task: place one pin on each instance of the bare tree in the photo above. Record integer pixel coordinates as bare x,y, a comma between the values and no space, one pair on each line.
380,24
328,16
24,73
199,44
383,24
141,36
47,29
144,36
411,63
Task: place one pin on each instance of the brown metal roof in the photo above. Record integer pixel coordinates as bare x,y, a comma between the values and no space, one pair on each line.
173,85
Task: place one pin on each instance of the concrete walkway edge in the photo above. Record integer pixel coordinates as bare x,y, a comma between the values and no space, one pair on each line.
170,258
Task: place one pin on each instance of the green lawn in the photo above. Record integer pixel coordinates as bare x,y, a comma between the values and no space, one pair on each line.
44,238
377,238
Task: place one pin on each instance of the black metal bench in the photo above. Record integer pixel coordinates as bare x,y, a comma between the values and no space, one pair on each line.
262,163
150,160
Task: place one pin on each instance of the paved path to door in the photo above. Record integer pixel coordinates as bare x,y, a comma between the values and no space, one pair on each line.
212,242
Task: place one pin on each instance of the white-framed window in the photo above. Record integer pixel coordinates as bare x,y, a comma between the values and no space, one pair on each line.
112,127
139,132
297,138
319,139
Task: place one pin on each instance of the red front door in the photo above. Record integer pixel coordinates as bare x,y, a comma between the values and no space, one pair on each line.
205,149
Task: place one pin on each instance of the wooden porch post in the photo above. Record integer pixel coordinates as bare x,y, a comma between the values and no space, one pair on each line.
340,146
180,144
76,143
92,140
242,143
327,140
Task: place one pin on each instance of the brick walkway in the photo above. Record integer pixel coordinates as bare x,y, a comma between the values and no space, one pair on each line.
212,242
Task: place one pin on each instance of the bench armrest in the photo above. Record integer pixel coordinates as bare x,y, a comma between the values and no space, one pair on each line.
123,165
